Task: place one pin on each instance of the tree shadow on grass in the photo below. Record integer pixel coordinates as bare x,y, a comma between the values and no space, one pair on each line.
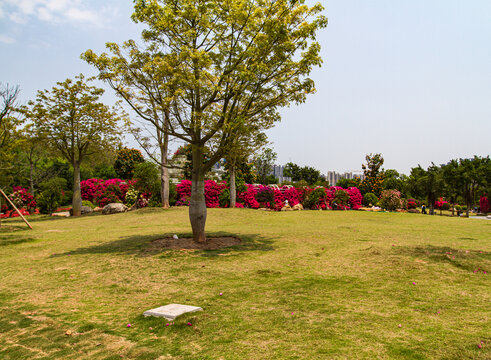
140,245
14,239
469,260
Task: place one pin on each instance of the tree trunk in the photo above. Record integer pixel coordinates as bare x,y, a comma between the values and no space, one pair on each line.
233,191
31,178
197,205
77,194
164,171
164,177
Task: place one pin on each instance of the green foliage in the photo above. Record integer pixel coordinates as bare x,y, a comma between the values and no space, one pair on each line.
374,177
347,183
131,196
88,203
126,161
147,176
341,199
313,198
51,195
370,199
263,164
271,179
104,171
292,171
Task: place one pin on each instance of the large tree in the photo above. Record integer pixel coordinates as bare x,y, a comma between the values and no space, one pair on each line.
9,122
244,146
263,164
224,65
75,123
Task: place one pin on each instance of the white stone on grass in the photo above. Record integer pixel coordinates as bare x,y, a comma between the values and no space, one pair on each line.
171,311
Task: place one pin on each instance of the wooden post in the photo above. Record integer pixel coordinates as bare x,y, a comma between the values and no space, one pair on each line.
18,212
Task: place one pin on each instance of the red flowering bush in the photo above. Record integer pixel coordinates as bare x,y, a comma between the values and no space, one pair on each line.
256,196
412,204
355,198
248,197
102,192
23,199
212,193
484,204
442,205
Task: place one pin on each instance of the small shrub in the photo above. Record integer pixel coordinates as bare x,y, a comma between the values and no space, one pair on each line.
88,203
23,199
370,199
391,200
312,199
265,196
51,195
412,203
340,200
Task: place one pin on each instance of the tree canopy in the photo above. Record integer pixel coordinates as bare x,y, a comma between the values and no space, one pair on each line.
224,65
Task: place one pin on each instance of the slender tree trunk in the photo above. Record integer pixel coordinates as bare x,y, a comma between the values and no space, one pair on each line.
31,178
164,171
197,205
77,194
164,177
233,190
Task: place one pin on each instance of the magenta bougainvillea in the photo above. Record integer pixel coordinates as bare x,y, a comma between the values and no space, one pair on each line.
212,193
23,199
102,192
484,204
256,196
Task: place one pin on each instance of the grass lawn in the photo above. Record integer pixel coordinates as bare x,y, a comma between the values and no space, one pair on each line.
302,285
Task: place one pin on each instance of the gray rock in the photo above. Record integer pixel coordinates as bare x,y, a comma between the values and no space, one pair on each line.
171,311
114,208
83,210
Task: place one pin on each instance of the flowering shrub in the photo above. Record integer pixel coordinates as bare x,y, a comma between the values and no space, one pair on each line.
412,204
256,196
391,200
23,199
442,205
484,204
248,197
102,192
355,198
126,161
212,193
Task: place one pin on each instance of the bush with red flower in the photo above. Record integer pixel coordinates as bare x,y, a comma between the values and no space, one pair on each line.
23,199
102,192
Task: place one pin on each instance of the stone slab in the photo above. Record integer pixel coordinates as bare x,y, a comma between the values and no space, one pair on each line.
171,311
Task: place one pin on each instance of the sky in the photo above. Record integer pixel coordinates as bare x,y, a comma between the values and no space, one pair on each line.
408,79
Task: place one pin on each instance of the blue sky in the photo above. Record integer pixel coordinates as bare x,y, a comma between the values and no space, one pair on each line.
408,79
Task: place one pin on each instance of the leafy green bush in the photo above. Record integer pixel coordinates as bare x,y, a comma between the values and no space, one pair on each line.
51,195
147,176
445,206
313,198
131,196
126,161
340,200
370,199
88,203
458,208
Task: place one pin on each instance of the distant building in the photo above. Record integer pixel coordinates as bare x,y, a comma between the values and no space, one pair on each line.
278,173
333,177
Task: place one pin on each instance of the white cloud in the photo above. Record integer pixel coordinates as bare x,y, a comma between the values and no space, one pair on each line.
6,39
55,11
18,18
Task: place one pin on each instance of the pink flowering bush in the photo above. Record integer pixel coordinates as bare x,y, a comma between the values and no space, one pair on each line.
23,199
256,196
391,200
442,205
248,197
102,192
212,193
484,204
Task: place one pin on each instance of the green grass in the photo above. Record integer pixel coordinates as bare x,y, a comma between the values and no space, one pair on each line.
302,285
